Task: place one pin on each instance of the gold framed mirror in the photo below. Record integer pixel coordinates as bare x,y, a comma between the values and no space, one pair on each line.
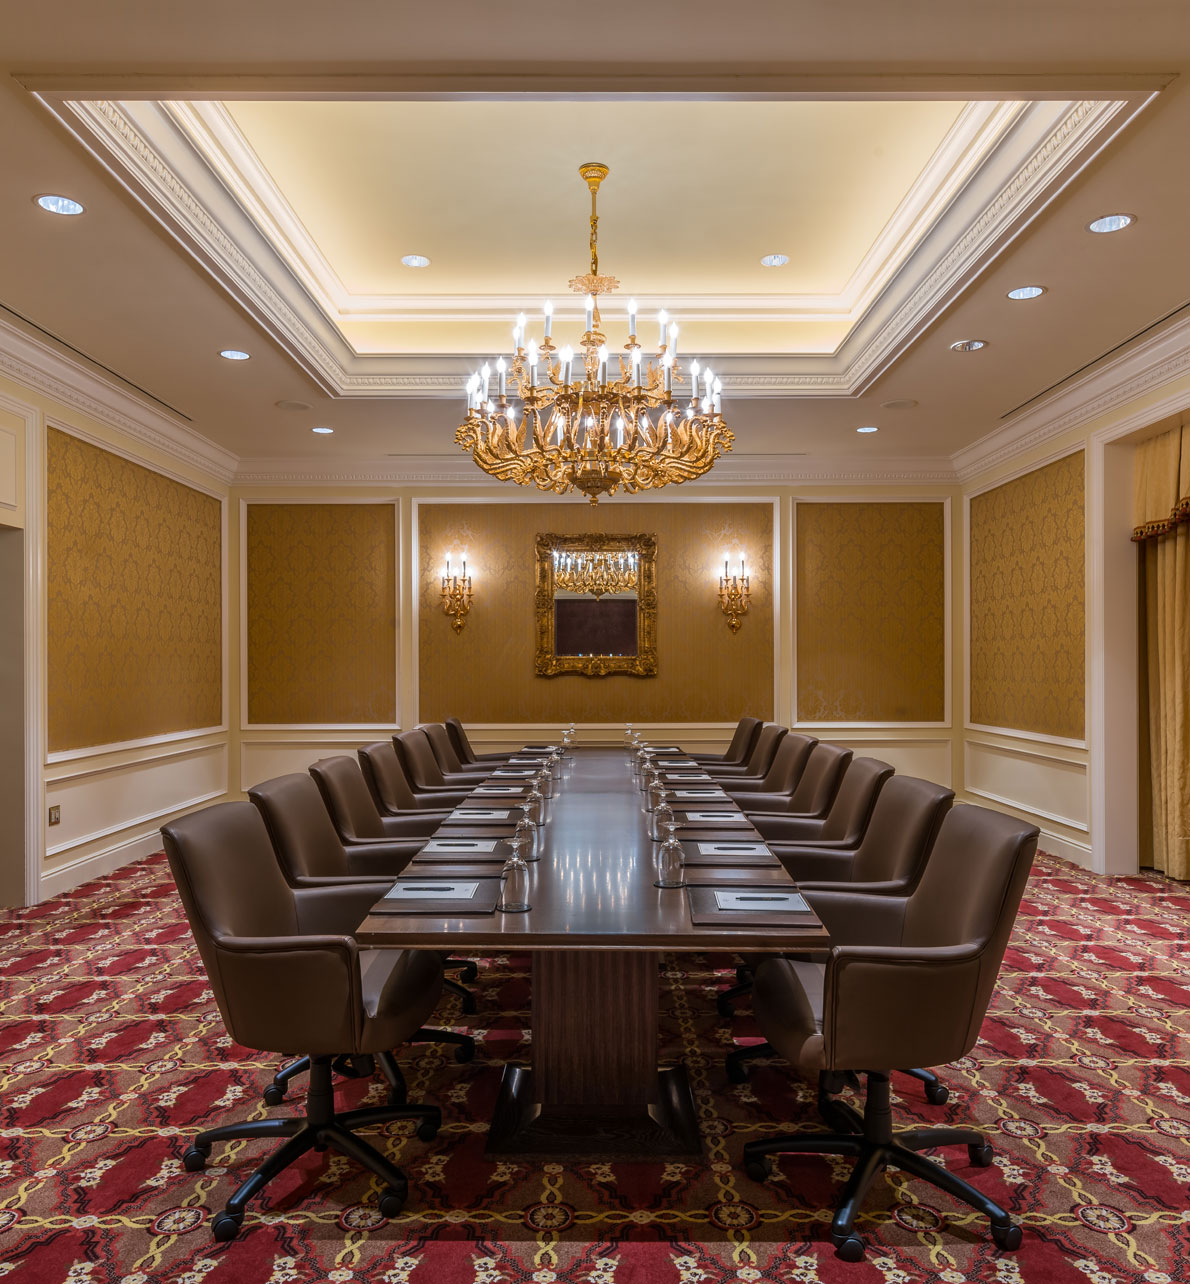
596,605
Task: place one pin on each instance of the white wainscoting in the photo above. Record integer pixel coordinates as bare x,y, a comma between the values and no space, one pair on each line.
697,737
926,756
113,806
264,756
1039,781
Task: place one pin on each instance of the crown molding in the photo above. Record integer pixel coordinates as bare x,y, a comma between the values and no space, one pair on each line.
1149,364
991,178
459,470
33,362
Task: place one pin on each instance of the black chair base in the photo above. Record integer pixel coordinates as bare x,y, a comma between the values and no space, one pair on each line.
869,1138
319,1129
466,998
937,1093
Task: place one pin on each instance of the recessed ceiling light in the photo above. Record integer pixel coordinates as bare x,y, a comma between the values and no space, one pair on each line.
59,204
1111,223
234,354
968,345
293,405
322,431
1027,292
868,428
774,260
899,403
415,260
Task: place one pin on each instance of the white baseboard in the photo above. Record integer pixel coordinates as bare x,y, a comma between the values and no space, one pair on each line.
1075,852
76,872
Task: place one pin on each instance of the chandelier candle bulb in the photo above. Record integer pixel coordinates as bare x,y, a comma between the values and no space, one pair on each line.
668,363
548,310
632,320
662,324
590,305
501,369
673,338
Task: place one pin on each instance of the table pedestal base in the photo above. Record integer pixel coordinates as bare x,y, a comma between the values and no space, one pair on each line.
666,1128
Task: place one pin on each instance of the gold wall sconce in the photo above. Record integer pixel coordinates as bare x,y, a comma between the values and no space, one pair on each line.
734,596
456,595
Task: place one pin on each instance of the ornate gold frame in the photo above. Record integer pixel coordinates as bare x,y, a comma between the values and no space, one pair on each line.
641,665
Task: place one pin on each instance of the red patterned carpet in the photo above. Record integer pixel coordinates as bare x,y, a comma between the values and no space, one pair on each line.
112,1053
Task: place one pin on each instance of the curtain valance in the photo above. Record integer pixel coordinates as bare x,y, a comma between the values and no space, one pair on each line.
1162,482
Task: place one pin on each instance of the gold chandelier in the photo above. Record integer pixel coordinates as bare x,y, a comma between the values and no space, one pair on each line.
595,573
598,432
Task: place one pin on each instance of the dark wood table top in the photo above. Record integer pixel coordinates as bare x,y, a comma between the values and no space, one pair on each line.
593,886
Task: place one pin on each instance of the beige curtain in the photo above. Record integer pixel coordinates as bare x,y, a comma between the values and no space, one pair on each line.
1162,519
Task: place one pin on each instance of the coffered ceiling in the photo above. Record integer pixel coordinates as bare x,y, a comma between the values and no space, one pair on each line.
261,193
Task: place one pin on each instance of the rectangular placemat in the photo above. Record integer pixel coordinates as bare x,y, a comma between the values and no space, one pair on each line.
478,896
708,819
706,912
460,844
478,829
731,847
452,856
692,856
481,815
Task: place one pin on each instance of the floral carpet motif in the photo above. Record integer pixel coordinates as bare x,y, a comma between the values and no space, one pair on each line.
112,1053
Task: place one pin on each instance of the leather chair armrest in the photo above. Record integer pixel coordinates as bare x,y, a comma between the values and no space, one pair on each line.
805,864
406,827
793,828
341,907
888,1007
287,993
308,881
382,859
440,801
890,888
854,919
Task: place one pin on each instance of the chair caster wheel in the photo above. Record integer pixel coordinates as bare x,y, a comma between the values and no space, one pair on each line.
980,1156
273,1095
392,1200
427,1130
195,1158
395,1098
937,1094
759,1169
737,1071
465,1052
743,975
468,973
848,1248
226,1226
468,1005
1007,1237
725,1008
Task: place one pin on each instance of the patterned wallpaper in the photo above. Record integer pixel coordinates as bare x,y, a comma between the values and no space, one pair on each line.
134,600
870,612
485,674
321,618
1027,602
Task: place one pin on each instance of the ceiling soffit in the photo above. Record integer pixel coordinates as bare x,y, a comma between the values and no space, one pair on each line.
999,165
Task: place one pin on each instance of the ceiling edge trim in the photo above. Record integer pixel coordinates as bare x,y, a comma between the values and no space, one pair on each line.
1152,363
34,363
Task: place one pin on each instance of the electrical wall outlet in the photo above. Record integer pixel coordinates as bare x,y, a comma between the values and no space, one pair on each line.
55,815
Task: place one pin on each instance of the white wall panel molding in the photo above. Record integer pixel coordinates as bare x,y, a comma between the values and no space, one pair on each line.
99,800
43,368
1038,781
70,874
263,757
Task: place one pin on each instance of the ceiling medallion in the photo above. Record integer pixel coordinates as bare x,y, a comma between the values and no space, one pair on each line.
595,433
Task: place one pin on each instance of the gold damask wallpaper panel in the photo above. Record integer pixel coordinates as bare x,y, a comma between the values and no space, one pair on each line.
486,673
1028,578
134,599
870,626
321,623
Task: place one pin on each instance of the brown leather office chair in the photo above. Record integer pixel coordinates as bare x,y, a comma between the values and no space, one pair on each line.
783,774
286,974
353,811
311,853
819,782
421,767
390,787
447,759
907,982
756,765
850,786
462,746
746,731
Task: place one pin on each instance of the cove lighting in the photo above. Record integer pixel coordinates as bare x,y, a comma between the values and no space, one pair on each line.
234,354
415,260
868,428
774,260
968,345
323,431
1027,292
1111,223
59,204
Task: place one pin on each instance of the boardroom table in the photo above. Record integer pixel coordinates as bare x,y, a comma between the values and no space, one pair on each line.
596,928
